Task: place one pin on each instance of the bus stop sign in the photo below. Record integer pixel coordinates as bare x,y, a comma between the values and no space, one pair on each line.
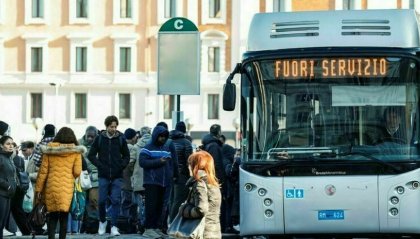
178,58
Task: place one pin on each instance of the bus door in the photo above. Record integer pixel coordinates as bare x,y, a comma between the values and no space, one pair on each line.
331,204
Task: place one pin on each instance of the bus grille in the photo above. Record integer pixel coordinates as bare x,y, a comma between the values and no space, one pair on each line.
295,29
365,27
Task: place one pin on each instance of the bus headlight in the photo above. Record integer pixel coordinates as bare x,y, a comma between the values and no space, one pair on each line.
262,192
415,184
400,189
394,200
248,187
393,211
268,213
267,202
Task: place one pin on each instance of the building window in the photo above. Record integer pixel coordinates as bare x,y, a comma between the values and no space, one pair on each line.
82,8
81,59
214,59
36,59
80,105
125,106
36,105
37,8
214,9
126,9
170,8
213,106
168,106
125,59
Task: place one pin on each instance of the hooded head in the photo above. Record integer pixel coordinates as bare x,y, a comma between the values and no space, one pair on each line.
216,130
163,124
4,128
145,130
180,126
160,135
49,131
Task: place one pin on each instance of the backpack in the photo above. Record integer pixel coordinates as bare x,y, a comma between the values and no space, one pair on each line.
22,178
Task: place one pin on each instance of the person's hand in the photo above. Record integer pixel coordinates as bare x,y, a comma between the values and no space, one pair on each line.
38,196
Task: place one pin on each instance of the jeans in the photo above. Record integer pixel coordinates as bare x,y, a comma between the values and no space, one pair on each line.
72,225
139,201
110,188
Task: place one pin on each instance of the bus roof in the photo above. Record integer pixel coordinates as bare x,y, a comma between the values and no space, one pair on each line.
358,28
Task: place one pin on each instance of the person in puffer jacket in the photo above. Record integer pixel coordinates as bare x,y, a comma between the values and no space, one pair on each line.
158,166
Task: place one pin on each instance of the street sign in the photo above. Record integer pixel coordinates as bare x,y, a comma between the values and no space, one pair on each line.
178,58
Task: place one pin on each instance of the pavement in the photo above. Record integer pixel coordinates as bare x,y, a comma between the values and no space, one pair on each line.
106,236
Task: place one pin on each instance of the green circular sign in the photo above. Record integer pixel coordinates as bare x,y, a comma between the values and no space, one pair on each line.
178,24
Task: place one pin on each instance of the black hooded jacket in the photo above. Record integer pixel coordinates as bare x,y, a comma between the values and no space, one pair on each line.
213,146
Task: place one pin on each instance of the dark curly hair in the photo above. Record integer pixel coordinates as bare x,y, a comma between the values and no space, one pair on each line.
110,119
66,136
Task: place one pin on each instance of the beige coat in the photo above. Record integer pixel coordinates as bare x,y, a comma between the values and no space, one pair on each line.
61,164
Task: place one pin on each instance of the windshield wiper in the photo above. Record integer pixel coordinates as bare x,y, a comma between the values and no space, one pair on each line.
372,158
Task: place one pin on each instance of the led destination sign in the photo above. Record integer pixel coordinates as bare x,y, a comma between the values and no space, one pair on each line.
330,68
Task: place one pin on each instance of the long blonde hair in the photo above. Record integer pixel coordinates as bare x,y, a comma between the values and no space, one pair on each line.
202,160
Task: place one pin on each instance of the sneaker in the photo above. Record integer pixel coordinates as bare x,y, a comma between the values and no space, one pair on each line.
6,233
151,233
114,231
18,234
161,233
102,227
236,227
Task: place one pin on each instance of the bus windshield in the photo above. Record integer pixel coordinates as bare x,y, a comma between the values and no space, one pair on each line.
334,108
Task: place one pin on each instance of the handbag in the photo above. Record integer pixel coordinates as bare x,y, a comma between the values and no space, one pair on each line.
85,181
78,202
38,215
28,199
182,227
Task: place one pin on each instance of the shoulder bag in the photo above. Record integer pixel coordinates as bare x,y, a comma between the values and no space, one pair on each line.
182,227
85,181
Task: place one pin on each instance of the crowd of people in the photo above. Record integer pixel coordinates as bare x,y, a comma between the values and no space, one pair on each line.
139,180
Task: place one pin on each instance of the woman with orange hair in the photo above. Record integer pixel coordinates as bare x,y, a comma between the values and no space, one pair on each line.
205,197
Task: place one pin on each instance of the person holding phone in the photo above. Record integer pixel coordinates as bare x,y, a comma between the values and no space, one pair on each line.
157,161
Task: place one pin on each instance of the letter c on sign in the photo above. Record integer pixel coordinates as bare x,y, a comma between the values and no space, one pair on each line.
178,24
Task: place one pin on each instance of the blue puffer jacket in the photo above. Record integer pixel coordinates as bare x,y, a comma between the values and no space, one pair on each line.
156,171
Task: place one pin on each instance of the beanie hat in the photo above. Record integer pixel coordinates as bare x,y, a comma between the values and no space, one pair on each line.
27,144
215,130
3,127
180,126
145,130
130,133
49,130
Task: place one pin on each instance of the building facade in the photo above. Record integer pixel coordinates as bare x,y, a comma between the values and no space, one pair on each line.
74,62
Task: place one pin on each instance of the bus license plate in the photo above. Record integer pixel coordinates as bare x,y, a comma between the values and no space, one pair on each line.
331,215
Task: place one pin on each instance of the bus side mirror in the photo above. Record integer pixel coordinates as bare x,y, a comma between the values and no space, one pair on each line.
229,96
229,90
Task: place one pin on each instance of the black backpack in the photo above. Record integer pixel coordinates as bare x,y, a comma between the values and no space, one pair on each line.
22,178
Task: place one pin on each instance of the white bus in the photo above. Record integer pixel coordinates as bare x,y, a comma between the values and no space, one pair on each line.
319,154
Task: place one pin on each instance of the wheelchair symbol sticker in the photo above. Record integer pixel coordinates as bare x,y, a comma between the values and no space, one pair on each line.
294,193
